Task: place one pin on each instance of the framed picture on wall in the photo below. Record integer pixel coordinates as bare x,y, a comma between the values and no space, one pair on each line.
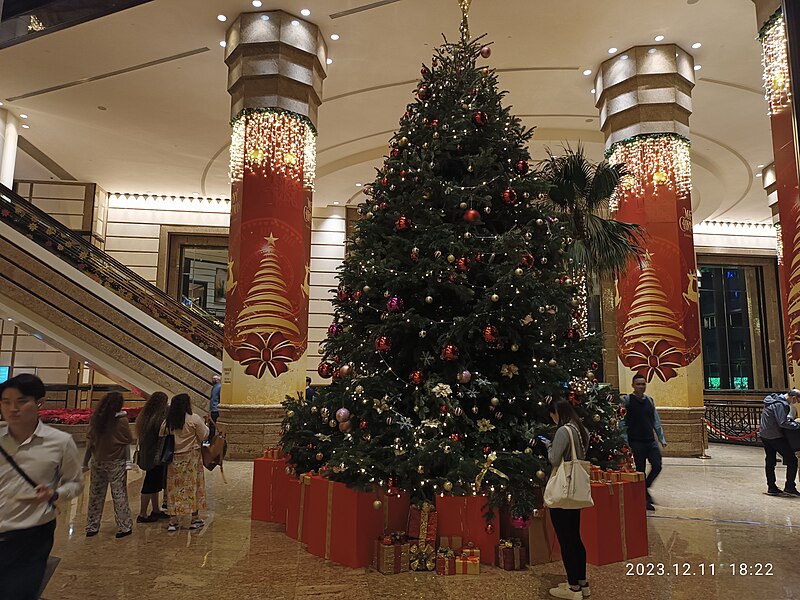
220,281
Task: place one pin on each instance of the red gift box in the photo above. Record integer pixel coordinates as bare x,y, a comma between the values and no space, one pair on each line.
395,509
270,483
446,563
423,523
391,558
633,501
296,509
463,516
511,555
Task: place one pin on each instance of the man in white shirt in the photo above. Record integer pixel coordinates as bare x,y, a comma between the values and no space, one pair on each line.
39,466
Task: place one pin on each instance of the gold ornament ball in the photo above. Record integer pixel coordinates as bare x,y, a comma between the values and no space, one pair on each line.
288,470
333,423
290,413
552,362
467,235
541,474
596,418
463,205
528,451
436,135
660,178
359,389
420,469
495,298
519,272
429,299
470,168
447,486
366,289
475,410
422,333
369,215
403,142
314,409
589,374
377,504
514,347
451,258
495,401
446,449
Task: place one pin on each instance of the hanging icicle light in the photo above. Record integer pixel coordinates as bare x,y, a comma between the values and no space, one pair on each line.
281,141
653,161
779,243
775,62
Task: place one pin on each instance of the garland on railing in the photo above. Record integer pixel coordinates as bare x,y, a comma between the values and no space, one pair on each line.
202,330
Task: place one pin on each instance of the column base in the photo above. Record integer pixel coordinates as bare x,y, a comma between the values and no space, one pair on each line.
250,429
684,431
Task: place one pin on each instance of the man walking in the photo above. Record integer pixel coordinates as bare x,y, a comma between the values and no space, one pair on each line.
642,427
39,465
213,407
774,422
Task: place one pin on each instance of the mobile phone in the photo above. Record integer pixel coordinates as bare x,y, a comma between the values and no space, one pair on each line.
542,439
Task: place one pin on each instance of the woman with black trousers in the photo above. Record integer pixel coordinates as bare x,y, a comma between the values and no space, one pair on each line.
567,522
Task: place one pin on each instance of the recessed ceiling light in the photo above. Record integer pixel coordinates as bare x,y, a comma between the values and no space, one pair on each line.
265,17
612,50
698,67
295,22
329,61
760,166
593,91
587,72
222,18
1,104
659,38
26,126
758,174
359,184
697,45
334,36
652,51
624,57
23,116
336,202
305,12
257,3
223,43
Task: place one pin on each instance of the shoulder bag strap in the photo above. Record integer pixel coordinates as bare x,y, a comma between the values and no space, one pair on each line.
17,468
571,442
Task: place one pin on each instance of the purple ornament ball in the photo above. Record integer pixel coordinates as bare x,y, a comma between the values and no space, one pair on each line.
520,522
464,377
344,427
342,415
335,329
394,304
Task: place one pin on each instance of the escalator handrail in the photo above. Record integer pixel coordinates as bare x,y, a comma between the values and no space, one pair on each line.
200,327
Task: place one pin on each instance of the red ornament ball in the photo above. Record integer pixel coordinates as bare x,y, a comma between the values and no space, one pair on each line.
487,450
325,370
522,167
337,374
489,528
490,334
385,181
383,206
424,92
623,411
357,295
527,261
463,264
341,294
454,437
416,377
383,344
395,152
480,118
486,52
402,223
443,409
363,425
450,352
510,196
472,216
319,456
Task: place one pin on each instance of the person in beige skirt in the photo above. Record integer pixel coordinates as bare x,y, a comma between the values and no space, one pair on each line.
186,488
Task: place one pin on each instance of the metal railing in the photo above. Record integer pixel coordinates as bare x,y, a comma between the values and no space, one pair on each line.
734,421
194,324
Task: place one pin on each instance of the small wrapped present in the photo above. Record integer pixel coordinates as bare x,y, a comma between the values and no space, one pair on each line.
613,476
468,565
445,562
632,476
471,550
391,558
275,452
422,523
451,542
511,555
422,556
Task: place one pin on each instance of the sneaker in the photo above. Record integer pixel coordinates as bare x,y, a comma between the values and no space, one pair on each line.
172,528
197,524
774,492
585,591
122,534
792,492
91,532
146,519
566,593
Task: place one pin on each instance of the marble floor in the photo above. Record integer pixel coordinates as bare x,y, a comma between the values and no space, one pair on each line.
708,511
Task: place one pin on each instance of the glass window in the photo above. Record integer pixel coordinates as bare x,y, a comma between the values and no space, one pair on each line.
203,276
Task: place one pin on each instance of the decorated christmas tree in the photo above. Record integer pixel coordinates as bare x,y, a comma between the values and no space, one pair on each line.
454,315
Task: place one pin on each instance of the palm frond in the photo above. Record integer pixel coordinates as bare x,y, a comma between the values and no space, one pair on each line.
610,246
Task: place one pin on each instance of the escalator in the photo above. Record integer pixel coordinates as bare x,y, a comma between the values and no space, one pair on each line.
69,293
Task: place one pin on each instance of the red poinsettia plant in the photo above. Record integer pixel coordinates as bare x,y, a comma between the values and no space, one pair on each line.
78,416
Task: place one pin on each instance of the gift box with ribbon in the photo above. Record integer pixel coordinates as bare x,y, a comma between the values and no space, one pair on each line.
511,555
296,491
395,508
463,516
470,550
445,562
391,558
422,556
423,523
468,565
632,476
537,537
270,483
274,452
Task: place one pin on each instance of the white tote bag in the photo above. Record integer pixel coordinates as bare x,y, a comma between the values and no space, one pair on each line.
569,486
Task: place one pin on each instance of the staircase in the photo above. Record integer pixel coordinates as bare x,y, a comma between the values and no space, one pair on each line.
69,293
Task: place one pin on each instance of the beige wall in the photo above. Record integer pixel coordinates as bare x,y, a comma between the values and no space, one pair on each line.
28,354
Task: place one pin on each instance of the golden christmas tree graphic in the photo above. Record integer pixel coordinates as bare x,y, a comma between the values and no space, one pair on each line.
266,307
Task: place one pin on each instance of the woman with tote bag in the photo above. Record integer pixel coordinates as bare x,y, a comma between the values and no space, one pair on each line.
567,492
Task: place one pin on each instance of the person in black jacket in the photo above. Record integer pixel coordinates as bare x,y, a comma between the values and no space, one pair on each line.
774,422
642,430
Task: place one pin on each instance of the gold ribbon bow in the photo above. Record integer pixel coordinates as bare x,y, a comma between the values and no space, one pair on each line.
488,468
423,557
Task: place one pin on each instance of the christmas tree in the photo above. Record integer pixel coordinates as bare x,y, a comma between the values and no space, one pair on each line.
454,315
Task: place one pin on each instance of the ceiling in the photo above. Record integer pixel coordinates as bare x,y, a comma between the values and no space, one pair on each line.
147,109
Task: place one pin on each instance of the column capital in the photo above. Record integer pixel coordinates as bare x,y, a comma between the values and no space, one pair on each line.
275,60
643,90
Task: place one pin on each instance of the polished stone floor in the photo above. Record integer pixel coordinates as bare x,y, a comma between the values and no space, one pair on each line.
708,511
